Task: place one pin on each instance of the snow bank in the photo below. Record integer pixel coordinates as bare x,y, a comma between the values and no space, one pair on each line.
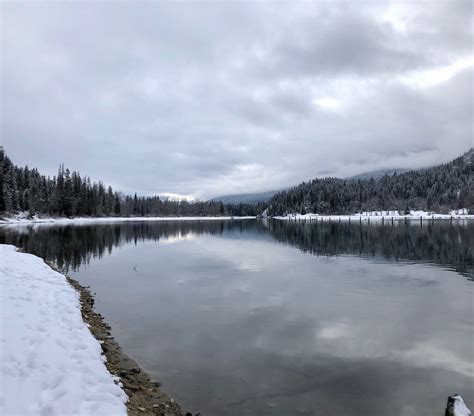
49,361
382,215
23,218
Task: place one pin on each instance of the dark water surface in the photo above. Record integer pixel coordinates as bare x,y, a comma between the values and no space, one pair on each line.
272,318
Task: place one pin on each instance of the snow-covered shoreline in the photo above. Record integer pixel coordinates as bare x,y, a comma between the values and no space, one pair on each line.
24,219
380,216
51,364
364,216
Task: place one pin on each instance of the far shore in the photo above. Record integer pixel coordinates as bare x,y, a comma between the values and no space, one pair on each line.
84,220
381,216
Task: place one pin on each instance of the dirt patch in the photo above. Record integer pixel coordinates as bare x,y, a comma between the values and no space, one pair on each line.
145,395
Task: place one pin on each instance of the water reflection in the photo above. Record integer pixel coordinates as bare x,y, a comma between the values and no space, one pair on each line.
70,246
234,321
442,243
445,244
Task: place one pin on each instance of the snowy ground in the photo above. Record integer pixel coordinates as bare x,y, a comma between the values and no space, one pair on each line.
382,215
24,219
50,364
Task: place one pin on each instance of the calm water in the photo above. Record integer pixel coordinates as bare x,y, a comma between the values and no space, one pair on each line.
271,318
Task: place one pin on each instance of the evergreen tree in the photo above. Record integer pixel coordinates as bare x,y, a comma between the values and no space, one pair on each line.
10,191
2,162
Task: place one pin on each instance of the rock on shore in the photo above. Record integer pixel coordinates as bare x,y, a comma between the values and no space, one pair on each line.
456,406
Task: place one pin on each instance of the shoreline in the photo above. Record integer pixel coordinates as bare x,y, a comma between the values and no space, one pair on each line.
367,217
50,359
91,220
378,216
52,330
144,393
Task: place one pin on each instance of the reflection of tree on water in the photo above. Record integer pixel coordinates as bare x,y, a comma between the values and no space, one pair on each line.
442,243
71,246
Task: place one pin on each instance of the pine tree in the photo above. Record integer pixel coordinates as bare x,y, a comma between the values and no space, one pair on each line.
10,191
2,168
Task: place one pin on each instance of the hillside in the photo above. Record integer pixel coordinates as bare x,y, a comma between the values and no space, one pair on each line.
251,198
377,174
440,189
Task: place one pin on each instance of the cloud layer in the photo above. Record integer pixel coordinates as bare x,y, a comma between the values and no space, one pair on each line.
209,98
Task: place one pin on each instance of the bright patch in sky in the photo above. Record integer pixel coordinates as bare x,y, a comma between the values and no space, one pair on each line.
432,77
397,15
328,103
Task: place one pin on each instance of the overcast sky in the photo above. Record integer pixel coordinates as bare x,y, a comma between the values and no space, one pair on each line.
212,98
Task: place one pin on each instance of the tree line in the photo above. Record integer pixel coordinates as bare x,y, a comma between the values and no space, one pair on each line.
70,194
438,189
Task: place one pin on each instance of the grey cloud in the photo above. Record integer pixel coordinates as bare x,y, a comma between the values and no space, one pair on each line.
361,48
213,98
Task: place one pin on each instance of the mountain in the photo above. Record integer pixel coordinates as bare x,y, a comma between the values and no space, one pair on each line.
169,196
246,198
377,174
439,189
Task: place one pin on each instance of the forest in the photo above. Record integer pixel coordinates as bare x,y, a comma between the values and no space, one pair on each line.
69,194
438,189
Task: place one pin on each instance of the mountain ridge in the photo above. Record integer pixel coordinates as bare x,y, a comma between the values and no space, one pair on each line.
439,188
377,174
246,198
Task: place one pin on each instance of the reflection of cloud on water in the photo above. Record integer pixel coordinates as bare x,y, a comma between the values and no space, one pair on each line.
345,339
337,330
178,237
428,355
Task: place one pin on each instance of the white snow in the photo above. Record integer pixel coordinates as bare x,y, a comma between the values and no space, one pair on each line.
462,211
24,218
381,215
50,364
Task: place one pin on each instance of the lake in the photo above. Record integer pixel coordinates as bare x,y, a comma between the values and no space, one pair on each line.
250,317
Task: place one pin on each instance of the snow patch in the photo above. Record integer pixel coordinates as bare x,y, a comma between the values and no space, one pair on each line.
49,361
382,216
24,218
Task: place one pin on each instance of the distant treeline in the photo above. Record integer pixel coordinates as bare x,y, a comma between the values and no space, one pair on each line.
70,194
439,189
